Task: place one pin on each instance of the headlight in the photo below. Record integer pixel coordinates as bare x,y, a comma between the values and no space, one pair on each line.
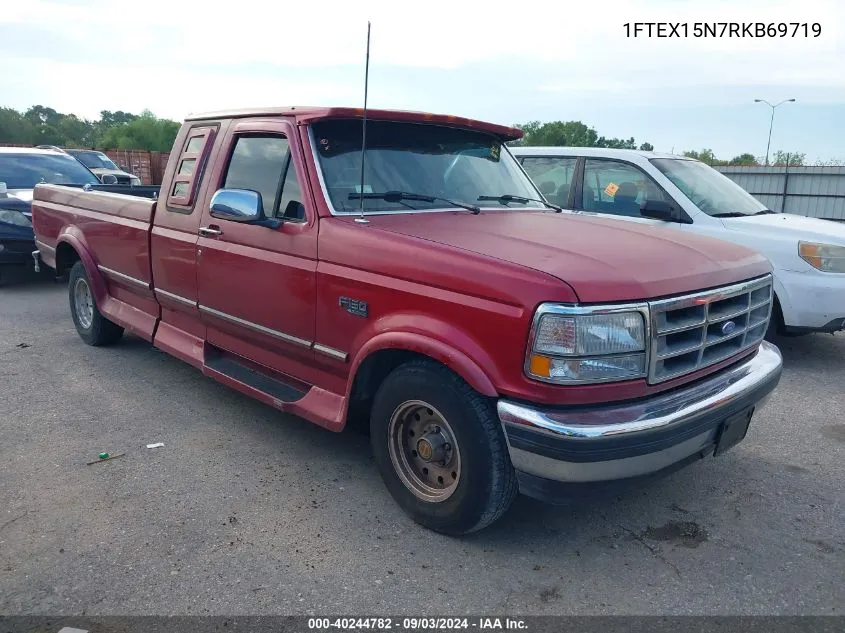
578,345
14,217
135,182
825,257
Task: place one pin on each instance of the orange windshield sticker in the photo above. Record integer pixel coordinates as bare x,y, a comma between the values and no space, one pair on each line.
611,189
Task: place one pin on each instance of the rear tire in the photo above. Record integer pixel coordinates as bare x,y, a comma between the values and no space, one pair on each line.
91,325
468,482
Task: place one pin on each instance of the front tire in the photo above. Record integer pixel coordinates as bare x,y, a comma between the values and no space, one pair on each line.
91,325
440,449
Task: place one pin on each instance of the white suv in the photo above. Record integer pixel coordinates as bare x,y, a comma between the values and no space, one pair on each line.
807,254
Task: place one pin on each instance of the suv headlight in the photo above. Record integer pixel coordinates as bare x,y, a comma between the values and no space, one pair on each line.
582,345
10,216
135,181
825,257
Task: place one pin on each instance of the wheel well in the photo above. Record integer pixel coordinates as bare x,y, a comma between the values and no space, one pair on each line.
777,315
368,378
66,257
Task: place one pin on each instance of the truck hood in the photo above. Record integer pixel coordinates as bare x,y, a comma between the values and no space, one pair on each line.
602,259
102,171
782,225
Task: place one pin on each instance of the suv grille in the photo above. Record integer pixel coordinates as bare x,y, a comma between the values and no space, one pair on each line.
694,331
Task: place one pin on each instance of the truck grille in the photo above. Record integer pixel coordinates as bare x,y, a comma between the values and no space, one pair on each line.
694,331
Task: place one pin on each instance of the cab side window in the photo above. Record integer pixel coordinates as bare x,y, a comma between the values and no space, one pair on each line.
290,206
552,175
263,163
617,188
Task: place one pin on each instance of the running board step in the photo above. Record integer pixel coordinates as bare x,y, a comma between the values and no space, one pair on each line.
254,378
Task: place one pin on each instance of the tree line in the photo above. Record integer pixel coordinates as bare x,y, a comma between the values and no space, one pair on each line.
40,125
578,134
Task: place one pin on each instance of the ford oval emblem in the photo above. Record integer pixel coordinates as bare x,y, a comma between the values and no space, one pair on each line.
728,327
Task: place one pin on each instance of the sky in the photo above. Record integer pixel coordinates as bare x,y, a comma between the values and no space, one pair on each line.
507,63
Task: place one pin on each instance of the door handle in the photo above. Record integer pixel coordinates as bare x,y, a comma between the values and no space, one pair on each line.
209,231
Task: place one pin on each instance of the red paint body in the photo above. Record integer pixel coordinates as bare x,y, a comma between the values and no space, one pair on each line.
457,287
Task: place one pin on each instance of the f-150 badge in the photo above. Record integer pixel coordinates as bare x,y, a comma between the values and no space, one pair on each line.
354,306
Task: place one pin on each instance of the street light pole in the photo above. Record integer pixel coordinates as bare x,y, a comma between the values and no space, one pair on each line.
771,121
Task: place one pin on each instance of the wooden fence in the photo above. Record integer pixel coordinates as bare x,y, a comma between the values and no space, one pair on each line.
148,166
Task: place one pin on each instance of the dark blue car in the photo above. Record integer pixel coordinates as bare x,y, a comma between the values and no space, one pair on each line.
21,168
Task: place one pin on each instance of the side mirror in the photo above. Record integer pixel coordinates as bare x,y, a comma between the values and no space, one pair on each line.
109,179
241,205
662,210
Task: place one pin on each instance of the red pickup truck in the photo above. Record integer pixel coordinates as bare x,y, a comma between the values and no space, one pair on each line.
493,344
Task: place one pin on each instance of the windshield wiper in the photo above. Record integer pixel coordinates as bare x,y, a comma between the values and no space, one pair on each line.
737,214
399,196
504,199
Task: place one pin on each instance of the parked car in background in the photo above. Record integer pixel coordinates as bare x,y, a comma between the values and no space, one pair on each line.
491,344
22,168
100,164
808,254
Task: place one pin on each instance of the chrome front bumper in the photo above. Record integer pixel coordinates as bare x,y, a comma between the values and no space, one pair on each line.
612,442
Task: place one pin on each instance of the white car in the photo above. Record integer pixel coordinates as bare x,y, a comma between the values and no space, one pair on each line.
807,254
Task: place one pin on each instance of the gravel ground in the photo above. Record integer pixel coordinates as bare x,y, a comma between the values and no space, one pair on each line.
245,511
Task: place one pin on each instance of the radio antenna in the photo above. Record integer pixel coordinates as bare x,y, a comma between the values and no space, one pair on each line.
364,126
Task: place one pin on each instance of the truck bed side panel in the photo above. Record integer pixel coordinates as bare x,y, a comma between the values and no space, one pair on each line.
115,230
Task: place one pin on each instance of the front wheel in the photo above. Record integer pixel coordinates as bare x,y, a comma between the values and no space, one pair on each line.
440,449
91,325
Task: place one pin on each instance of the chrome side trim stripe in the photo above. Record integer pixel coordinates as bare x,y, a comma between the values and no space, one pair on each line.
177,298
113,273
258,328
330,351
43,247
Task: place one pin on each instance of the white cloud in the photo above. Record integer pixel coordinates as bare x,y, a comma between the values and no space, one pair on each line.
504,61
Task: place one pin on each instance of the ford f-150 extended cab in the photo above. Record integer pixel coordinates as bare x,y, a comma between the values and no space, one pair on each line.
492,345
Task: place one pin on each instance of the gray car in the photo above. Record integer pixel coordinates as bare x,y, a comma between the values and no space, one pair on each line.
100,164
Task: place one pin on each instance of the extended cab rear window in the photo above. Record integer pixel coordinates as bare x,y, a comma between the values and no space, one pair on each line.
189,169
428,159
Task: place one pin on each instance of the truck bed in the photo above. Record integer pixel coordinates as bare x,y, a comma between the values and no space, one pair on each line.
110,232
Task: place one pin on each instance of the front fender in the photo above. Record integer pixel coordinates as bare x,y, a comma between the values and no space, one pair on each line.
437,340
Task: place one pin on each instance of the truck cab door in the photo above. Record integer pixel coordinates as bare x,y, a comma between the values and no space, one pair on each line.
173,242
257,283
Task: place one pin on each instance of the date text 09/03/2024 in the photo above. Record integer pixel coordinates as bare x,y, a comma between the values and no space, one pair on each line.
417,623
723,29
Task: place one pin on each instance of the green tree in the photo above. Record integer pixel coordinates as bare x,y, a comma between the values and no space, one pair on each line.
568,133
616,143
705,156
744,159
143,132
647,147
75,132
793,159
14,128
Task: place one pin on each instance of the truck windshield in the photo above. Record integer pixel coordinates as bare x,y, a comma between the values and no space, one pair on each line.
431,160
24,171
94,160
712,192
